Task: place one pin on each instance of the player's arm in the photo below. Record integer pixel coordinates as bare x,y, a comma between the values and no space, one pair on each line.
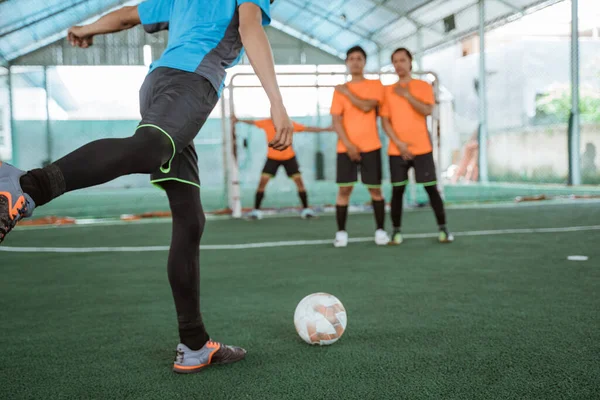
421,107
338,126
389,131
116,21
365,105
243,121
258,49
317,129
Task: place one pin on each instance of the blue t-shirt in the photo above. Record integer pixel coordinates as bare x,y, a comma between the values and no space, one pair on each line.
203,34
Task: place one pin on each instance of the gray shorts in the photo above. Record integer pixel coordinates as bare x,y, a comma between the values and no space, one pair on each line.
178,103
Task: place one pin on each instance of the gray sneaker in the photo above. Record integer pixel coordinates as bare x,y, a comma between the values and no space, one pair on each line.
14,204
212,353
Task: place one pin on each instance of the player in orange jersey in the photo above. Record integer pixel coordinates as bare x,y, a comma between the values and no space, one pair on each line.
275,159
404,115
354,113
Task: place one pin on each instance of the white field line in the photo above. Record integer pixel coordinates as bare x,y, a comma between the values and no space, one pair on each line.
326,211
260,245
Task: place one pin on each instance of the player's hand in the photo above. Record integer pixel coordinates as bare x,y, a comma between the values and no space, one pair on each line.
284,128
79,38
234,119
353,152
343,89
404,152
401,91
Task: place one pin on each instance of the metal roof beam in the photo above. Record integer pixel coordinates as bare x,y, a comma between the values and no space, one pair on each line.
327,17
38,18
510,5
307,39
43,34
409,17
430,25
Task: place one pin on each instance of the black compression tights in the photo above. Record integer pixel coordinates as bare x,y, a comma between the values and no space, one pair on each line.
184,261
434,198
106,159
99,162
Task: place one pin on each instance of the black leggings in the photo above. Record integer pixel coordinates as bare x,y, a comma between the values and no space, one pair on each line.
104,160
184,260
107,159
434,198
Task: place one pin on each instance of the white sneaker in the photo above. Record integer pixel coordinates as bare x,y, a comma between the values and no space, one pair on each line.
307,213
381,237
341,239
255,214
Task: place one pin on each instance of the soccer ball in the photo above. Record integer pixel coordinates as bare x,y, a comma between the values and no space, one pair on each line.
320,318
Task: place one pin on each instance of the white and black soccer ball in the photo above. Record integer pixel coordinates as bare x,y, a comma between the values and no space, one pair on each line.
320,319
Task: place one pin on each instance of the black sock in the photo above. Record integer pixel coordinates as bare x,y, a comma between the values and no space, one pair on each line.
43,184
184,261
379,211
258,198
341,213
437,204
397,205
304,199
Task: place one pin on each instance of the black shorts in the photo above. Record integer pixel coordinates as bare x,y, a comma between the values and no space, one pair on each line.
423,165
290,165
370,169
177,103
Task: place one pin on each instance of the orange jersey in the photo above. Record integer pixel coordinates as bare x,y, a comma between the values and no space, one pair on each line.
269,128
361,127
409,125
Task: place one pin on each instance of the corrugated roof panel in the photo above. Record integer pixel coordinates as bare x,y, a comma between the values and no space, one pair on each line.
403,6
355,9
41,32
283,11
15,14
344,40
396,30
304,19
307,18
324,30
376,19
494,10
440,9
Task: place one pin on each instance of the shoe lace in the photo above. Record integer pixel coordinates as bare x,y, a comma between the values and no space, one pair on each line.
179,356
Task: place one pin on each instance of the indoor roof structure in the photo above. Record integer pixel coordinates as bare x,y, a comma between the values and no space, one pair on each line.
333,26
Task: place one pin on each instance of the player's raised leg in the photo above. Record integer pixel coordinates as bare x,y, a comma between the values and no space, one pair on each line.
195,350
144,152
15,204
